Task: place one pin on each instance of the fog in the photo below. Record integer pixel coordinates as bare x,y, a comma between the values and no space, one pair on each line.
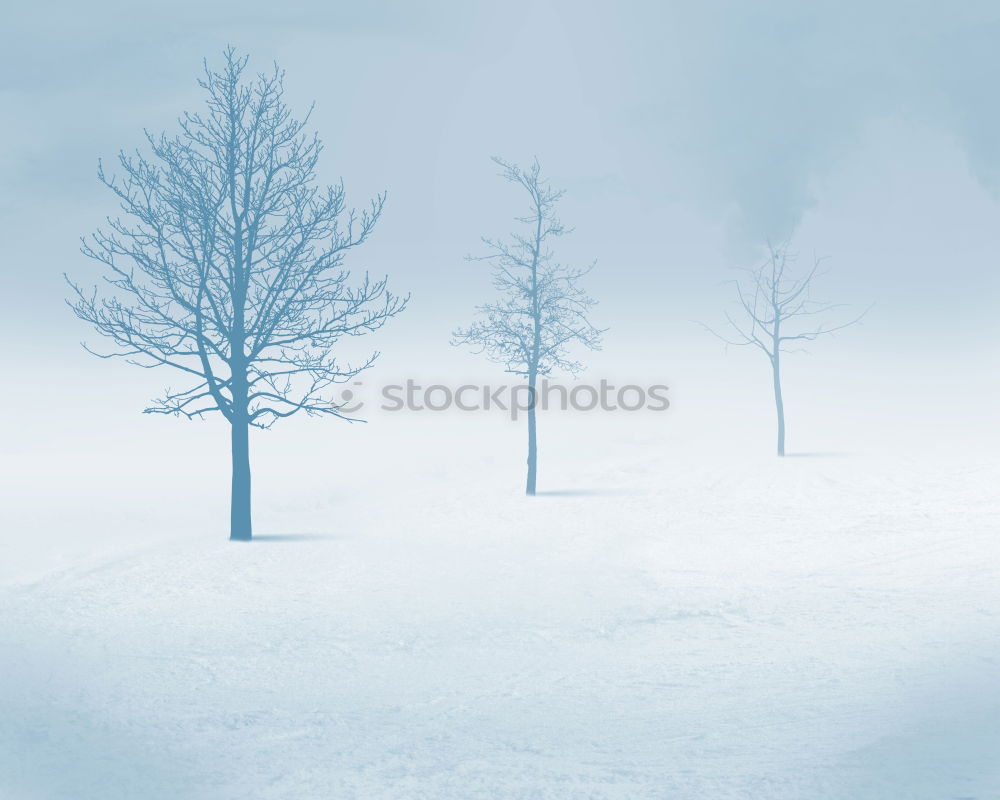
687,137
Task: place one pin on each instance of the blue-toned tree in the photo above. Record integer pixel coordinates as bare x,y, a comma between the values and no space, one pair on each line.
777,314
542,309
227,265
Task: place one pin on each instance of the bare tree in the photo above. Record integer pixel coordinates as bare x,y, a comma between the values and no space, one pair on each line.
227,265
774,308
542,310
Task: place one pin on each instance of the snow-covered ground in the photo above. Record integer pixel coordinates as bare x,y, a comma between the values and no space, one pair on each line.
667,619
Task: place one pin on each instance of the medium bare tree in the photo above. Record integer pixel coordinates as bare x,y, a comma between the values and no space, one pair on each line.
775,307
542,311
227,266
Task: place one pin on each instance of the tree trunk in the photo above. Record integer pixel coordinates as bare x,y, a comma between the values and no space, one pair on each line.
779,404
240,529
532,440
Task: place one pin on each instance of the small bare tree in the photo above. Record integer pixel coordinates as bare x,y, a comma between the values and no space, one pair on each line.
227,266
542,311
773,304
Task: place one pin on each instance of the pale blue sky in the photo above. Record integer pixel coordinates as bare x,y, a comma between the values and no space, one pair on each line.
685,133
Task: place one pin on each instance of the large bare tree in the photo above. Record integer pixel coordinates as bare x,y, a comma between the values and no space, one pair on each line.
542,310
227,266
775,311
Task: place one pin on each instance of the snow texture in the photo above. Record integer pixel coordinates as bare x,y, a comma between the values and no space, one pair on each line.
665,620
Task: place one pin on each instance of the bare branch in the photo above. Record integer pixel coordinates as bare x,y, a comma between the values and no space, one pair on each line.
227,262
542,311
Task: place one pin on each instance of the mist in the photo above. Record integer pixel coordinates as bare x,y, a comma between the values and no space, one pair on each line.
410,625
